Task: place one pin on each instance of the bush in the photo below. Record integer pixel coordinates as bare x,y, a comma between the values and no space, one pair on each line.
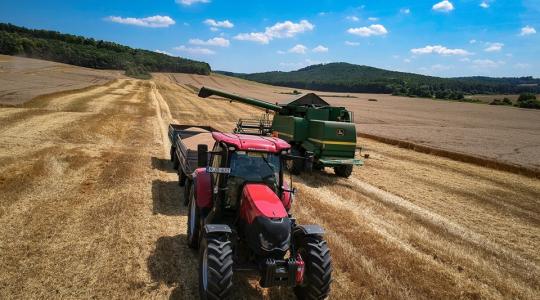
528,100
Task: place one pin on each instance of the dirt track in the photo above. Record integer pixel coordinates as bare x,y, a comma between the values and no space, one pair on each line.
90,208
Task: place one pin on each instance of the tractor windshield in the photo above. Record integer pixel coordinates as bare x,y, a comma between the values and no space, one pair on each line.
249,166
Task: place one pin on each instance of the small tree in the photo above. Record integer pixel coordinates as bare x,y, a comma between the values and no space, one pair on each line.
528,100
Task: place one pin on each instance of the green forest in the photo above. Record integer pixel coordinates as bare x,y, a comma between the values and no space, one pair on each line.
91,53
350,78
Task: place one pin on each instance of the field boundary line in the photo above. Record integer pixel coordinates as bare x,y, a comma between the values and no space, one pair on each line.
457,156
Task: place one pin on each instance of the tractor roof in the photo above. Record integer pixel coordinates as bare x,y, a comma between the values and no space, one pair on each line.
252,142
309,99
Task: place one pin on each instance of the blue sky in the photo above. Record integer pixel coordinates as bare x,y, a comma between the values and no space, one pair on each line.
443,38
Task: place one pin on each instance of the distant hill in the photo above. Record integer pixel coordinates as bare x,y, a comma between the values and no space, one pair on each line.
91,53
345,77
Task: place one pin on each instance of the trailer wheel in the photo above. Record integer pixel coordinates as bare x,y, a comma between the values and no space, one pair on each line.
318,268
181,177
187,189
173,151
343,170
193,222
215,268
176,162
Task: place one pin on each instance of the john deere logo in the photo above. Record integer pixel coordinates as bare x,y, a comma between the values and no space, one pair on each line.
340,132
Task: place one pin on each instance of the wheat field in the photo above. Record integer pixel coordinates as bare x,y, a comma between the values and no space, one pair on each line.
90,208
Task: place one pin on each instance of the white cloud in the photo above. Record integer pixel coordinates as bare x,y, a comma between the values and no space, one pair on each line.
439,67
522,66
320,49
407,60
195,50
527,30
354,44
494,47
486,63
438,49
444,6
465,59
217,41
373,19
163,52
279,30
353,18
472,41
190,2
298,49
154,21
375,29
484,4
322,13
405,11
218,24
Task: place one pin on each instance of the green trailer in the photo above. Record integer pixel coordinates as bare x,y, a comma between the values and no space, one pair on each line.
323,135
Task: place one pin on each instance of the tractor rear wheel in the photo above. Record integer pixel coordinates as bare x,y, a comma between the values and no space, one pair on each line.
215,268
343,170
318,268
188,186
193,222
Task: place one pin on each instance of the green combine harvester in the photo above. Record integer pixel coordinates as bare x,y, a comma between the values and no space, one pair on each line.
320,135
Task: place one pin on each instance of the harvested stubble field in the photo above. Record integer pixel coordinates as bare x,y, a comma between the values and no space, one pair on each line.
506,134
91,209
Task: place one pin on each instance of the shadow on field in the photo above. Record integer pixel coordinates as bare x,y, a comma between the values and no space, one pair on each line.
167,198
174,264
162,164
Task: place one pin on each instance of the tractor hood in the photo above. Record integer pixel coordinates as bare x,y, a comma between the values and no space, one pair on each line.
260,200
267,225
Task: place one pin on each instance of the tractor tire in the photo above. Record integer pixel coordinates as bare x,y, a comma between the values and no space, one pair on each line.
193,222
215,268
318,269
343,170
188,186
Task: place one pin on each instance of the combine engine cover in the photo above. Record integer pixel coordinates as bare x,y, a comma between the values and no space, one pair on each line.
267,225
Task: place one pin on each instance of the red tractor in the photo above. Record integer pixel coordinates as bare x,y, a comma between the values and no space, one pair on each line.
239,219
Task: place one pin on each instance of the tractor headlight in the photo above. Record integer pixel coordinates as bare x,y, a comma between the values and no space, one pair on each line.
265,244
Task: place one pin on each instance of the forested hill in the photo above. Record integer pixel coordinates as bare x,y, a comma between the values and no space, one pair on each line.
91,53
345,77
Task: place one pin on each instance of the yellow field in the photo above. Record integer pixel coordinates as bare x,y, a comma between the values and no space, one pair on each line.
89,207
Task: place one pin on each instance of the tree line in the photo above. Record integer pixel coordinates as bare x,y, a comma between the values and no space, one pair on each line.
350,78
91,53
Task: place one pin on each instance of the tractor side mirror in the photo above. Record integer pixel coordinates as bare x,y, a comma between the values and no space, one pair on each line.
202,155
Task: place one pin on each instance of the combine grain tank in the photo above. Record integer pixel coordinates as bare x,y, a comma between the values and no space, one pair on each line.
313,127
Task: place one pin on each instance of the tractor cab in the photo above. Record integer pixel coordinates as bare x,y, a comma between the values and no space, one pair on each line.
238,163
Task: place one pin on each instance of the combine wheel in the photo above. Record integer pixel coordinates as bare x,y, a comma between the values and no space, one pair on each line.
296,165
193,222
215,268
318,269
343,170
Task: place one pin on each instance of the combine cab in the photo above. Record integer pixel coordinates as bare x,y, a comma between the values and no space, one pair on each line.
239,218
310,125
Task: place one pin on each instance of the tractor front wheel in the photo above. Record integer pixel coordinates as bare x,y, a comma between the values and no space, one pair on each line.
318,268
215,268
193,222
343,170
